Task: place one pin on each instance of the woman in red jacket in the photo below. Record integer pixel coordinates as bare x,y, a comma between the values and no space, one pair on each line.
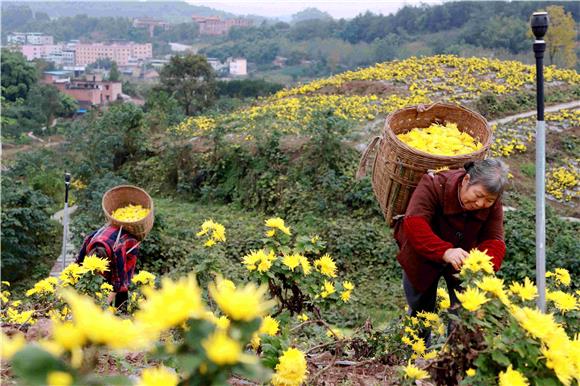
450,213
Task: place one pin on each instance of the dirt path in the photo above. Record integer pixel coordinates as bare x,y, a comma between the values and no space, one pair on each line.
548,109
70,248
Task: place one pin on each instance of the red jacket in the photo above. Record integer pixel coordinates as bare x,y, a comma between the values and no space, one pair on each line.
435,221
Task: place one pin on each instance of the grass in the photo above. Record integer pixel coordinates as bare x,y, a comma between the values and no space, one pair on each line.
378,294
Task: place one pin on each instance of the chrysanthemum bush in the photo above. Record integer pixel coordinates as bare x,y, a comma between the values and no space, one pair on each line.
498,335
191,336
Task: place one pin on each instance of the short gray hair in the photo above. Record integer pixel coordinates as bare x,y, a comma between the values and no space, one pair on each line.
491,173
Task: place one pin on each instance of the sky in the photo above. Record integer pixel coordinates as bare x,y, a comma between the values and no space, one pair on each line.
283,8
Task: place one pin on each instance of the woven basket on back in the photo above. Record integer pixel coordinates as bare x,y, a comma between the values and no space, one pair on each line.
398,167
123,195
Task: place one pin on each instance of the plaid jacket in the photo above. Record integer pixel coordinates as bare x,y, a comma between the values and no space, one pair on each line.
122,254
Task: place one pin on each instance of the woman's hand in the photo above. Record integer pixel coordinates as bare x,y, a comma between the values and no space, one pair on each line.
455,257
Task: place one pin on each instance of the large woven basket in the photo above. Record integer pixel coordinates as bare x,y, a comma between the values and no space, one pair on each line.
123,195
398,167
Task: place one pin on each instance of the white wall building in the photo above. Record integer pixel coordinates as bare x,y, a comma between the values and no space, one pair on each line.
238,66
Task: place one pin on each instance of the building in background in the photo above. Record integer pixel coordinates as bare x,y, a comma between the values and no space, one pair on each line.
90,91
36,38
122,53
238,66
215,26
150,24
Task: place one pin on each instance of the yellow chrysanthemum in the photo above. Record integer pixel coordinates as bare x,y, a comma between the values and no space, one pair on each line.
44,286
18,317
174,303
259,260
326,265
493,285
221,349
244,304
71,274
561,275
302,317
561,360
291,261
539,325
444,300
269,326
441,139
477,261
67,335
96,325
527,291
218,232
59,378
563,301
472,298
93,263
278,223
291,369
11,345
305,264
415,373
512,377
327,289
471,372
157,376
130,213
144,278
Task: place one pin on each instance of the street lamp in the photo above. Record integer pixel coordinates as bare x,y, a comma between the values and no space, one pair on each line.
539,24
65,219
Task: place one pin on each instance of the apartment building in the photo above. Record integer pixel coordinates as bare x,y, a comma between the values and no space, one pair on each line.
122,53
36,38
215,26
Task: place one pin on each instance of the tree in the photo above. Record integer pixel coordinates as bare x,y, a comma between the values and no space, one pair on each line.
17,76
191,80
561,37
114,74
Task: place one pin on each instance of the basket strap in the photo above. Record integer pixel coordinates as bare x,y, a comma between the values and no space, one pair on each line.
422,108
118,237
362,165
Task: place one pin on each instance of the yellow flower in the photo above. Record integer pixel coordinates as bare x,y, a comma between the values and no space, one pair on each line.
441,140
415,373
444,300
315,239
560,359
157,376
471,299
130,213
291,369
430,355
419,346
345,296
174,303
326,265
493,285
528,291
221,349
291,261
222,322
269,326
244,304
259,260
277,223
563,301
561,275
271,233
15,316
512,377
302,317
59,378
470,372
93,263
539,325
218,232
71,274
144,277
328,289
306,267
67,335
44,286
11,345
477,261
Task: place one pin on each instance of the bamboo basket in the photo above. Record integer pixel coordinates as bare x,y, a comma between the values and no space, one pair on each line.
397,167
123,195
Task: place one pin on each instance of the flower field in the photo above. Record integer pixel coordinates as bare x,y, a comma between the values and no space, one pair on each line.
270,264
262,330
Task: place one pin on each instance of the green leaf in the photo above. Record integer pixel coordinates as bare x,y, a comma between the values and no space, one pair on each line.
32,365
500,358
